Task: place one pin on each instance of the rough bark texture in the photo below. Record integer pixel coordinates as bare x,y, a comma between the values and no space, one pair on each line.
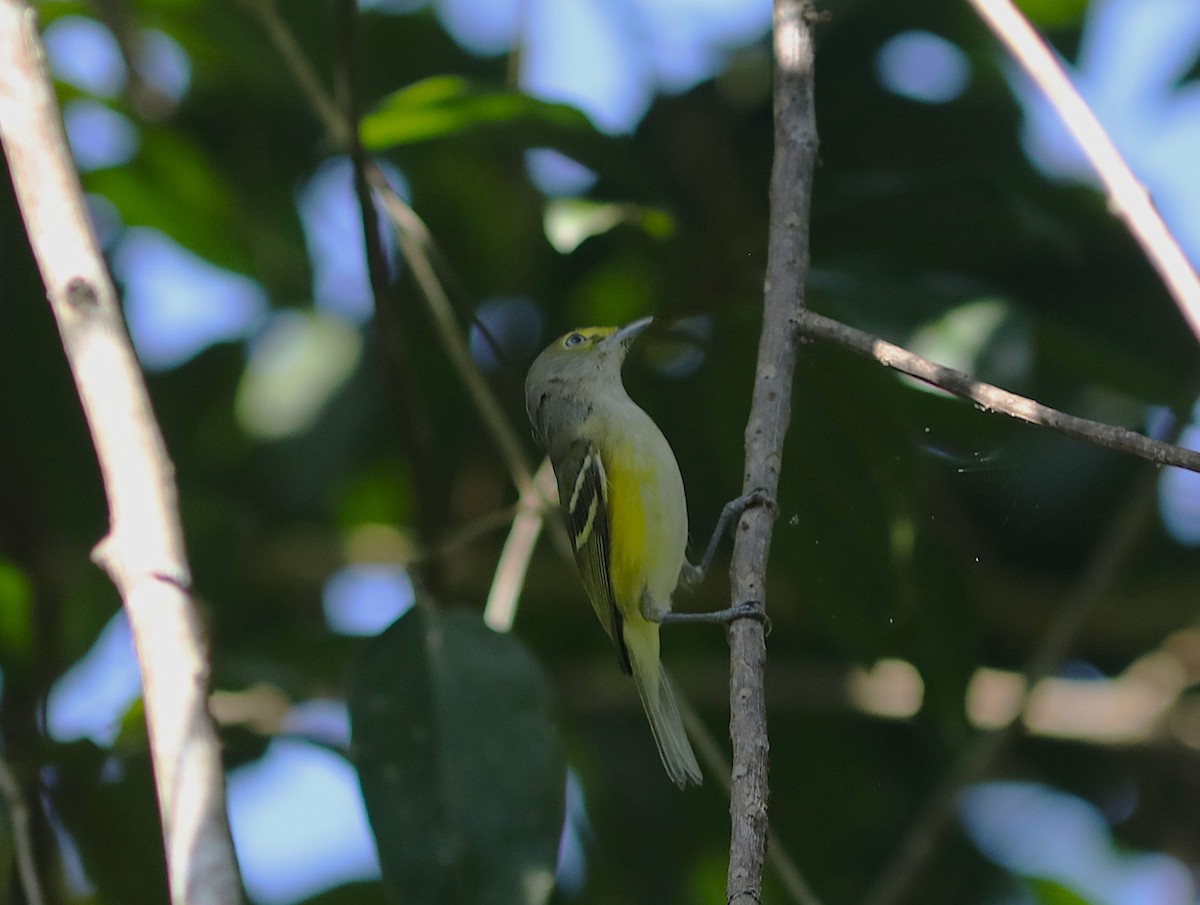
143,551
787,268
991,398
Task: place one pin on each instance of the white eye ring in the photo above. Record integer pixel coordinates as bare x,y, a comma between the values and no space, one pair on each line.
573,340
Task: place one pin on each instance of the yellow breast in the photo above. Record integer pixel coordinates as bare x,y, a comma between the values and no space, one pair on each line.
648,512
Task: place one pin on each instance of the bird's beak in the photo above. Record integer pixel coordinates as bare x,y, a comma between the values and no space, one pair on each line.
626,334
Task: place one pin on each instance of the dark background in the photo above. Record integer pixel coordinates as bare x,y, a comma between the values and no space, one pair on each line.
912,527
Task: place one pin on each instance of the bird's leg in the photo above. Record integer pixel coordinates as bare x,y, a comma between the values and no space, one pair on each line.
689,575
749,610
652,613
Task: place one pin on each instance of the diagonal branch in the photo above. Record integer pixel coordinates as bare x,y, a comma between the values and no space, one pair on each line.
143,551
501,609
417,245
1128,198
415,241
770,407
993,398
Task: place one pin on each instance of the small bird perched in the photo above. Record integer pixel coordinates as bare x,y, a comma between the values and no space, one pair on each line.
622,496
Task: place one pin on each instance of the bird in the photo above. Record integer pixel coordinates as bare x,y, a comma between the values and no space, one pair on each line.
622,497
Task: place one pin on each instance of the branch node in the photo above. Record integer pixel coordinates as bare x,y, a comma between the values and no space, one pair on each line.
102,553
81,294
815,16
760,496
182,583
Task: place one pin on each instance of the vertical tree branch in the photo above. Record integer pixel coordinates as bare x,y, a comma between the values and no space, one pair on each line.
415,434
716,764
770,409
143,551
417,246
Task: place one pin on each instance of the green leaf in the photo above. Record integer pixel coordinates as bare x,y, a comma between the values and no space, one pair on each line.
173,187
1051,892
445,105
460,763
568,222
1054,13
16,613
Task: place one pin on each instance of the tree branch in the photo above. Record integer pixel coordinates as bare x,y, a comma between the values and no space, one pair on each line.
417,246
783,294
993,398
718,765
415,434
415,242
1128,198
500,612
143,551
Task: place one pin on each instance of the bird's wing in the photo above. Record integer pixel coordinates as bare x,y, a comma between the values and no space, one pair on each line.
583,491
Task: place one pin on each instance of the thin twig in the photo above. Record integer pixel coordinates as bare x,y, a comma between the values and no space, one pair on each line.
302,71
993,398
150,101
1128,198
415,434
501,609
143,551
770,408
18,815
416,245
415,242
414,239
1109,557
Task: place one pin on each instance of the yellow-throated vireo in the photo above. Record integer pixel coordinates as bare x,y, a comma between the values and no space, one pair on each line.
622,496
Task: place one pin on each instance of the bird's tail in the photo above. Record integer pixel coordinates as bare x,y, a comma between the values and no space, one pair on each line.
659,701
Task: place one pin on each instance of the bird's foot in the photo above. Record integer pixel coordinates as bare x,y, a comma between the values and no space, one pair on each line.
749,610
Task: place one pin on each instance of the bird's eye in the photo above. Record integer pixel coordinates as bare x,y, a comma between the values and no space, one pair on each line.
573,340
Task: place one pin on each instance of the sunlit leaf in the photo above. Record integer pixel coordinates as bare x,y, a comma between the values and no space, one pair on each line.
570,221
1054,13
445,105
296,367
1051,892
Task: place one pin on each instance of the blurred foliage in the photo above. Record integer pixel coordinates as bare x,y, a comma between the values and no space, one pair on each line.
7,854
911,525
461,768
440,107
1049,892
